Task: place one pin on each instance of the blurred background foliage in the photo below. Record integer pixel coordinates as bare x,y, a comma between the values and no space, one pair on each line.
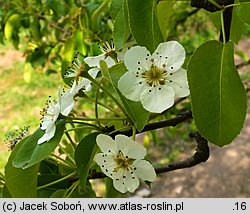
50,32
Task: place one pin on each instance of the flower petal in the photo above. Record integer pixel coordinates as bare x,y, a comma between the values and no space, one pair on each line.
129,147
173,55
49,133
118,181
106,144
124,181
178,81
106,162
157,99
144,170
87,83
131,86
135,58
67,103
94,61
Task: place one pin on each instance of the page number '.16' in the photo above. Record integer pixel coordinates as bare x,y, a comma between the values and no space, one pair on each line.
240,206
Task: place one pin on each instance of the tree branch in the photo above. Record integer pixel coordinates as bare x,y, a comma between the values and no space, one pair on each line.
201,155
157,125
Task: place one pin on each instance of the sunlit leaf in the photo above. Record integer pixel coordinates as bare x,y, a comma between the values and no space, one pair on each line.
135,110
143,23
218,95
32,153
21,183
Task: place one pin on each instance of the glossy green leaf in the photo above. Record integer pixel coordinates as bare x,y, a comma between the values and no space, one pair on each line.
58,194
11,29
237,27
21,183
115,7
243,11
143,23
79,42
121,27
84,155
32,153
135,110
218,95
11,25
164,13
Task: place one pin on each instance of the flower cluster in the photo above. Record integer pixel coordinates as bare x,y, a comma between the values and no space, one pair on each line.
122,160
155,80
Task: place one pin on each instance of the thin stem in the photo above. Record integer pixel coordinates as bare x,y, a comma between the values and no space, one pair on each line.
105,106
62,161
87,124
134,133
79,128
96,107
236,4
72,189
66,153
215,4
70,140
93,119
57,181
223,28
106,91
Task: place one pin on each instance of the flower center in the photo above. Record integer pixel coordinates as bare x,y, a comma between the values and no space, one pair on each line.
155,76
122,161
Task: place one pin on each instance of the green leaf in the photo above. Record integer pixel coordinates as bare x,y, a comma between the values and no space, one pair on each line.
243,11
84,155
58,194
237,27
32,153
11,29
5,193
164,14
27,73
143,23
115,7
111,192
57,6
121,27
138,115
216,19
218,95
79,42
21,183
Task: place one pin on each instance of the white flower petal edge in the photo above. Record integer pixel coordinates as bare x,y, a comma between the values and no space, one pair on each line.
94,61
173,54
49,133
65,104
179,83
120,159
106,143
157,99
130,86
155,80
136,57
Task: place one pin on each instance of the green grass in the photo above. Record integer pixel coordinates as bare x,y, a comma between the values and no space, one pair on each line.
21,102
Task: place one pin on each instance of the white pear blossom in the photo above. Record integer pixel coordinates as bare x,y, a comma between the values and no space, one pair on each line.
155,80
122,160
75,71
64,105
108,55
